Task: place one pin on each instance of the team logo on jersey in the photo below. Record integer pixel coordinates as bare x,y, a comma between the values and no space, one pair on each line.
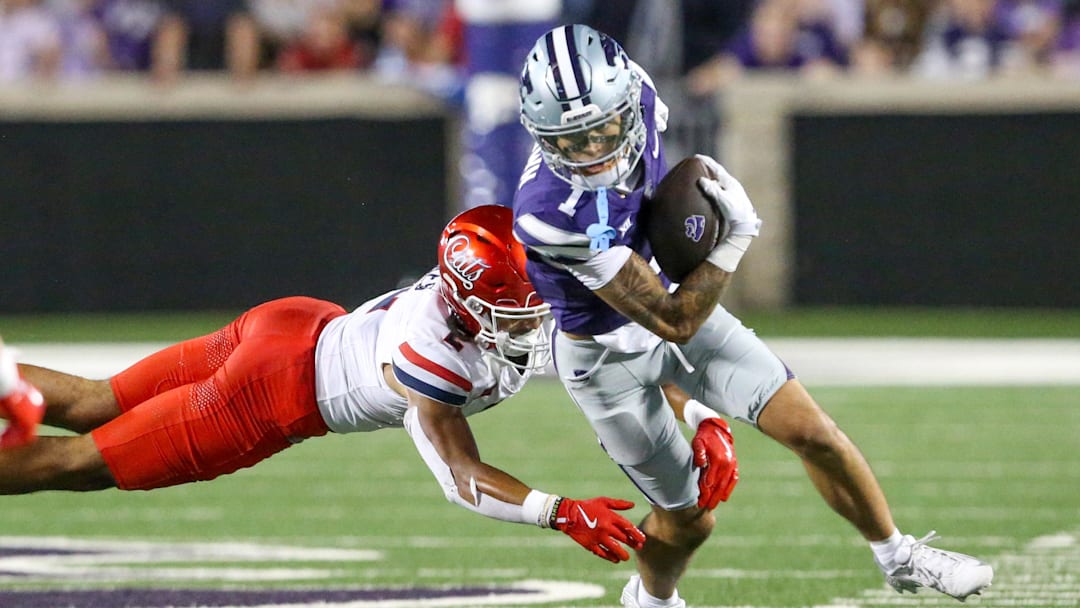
459,258
695,227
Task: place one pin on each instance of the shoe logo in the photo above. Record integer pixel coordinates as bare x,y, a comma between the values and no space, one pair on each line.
588,522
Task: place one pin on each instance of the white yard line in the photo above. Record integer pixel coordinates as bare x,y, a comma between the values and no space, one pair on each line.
1045,572
817,361
918,361
88,360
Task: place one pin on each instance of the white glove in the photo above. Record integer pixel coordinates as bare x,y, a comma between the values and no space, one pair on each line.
741,221
731,198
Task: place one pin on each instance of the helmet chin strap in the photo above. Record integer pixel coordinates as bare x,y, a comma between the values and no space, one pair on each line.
605,179
615,178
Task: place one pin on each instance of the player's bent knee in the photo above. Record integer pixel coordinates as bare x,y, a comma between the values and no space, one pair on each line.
688,528
796,421
698,530
818,439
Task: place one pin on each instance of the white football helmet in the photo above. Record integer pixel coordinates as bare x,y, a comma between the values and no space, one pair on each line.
579,89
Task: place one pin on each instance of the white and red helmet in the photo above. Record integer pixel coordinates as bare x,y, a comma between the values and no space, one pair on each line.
482,267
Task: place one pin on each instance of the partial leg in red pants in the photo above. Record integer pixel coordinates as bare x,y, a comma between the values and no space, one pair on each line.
258,400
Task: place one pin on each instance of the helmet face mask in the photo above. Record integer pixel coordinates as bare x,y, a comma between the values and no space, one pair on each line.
483,280
518,336
578,90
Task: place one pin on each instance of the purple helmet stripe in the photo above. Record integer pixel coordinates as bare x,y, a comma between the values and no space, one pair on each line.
553,63
579,78
611,48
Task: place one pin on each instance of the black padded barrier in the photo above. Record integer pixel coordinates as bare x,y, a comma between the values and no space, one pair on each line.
215,214
937,209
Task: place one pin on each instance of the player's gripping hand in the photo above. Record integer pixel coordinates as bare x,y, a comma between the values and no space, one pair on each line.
714,455
595,525
21,404
730,197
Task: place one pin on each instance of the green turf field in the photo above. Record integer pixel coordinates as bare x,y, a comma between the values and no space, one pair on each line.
996,470
991,468
814,321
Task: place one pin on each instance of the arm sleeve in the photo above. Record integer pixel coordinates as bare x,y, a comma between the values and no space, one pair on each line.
527,513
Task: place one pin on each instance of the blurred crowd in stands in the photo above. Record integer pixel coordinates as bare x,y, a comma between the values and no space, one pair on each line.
706,43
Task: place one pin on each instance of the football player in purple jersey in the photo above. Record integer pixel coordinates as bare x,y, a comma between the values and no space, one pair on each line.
622,333
425,357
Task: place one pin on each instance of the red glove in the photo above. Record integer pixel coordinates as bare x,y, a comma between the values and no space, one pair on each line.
714,454
23,408
595,525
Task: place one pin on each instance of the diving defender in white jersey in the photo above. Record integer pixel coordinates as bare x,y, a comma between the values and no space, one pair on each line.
458,341
622,333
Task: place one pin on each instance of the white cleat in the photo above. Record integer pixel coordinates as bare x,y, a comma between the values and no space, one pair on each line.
949,572
629,598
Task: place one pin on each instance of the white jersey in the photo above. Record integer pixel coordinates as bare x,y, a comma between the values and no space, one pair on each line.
406,328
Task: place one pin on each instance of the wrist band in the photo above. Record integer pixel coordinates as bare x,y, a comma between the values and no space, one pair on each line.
554,516
727,254
536,508
694,412
541,509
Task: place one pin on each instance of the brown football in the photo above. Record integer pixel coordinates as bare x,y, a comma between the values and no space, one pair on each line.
681,224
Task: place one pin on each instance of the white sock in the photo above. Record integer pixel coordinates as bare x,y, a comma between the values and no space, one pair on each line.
885,551
647,600
9,372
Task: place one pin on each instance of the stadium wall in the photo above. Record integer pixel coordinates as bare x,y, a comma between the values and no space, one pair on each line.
118,195
121,196
907,192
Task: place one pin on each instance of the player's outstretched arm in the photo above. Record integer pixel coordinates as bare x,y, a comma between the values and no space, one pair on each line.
446,443
21,403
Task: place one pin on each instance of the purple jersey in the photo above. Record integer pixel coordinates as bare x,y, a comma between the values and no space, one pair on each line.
558,219
1069,39
813,42
1018,18
129,27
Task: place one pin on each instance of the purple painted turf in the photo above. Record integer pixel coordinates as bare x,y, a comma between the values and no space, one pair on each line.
160,598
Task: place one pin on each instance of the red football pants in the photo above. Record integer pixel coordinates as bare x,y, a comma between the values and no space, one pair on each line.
212,405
